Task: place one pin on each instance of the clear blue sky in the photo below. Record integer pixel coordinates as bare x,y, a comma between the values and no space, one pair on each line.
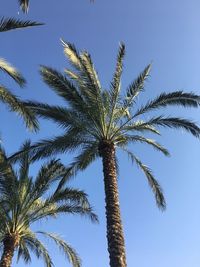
166,33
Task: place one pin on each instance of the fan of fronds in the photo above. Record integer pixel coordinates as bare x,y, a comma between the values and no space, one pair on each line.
93,115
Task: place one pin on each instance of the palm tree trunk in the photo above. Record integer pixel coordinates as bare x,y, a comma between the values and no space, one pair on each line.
115,236
8,252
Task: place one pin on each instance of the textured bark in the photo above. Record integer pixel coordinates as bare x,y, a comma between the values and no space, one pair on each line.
115,236
8,252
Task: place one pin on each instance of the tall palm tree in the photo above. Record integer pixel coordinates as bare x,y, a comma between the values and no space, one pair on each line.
96,122
24,201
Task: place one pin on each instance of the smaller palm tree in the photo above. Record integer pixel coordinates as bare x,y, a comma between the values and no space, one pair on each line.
12,101
24,201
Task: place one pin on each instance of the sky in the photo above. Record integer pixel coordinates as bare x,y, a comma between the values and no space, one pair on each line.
164,33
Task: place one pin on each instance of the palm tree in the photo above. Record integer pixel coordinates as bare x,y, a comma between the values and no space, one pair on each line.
7,24
12,101
24,201
96,122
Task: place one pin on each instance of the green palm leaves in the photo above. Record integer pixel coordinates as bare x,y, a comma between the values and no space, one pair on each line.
12,101
97,121
93,114
25,200
7,24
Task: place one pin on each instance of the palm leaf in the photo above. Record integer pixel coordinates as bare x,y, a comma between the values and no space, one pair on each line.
88,154
23,252
65,248
38,248
140,126
71,195
178,98
136,87
153,183
174,122
87,81
153,143
12,72
115,86
62,86
7,24
17,106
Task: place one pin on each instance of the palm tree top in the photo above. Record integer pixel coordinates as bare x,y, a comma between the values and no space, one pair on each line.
24,201
94,117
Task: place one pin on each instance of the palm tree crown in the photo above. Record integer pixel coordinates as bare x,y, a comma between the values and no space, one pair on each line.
95,116
24,201
96,122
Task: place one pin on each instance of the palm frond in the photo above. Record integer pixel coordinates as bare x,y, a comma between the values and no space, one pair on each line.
70,252
177,98
23,252
17,106
87,82
177,123
88,154
87,76
115,85
12,72
136,87
62,86
71,209
48,173
38,249
24,161
7,176
72,54
50,147
95,86
71,195
7,24
140,126
153,143
56,145
153,183
65,118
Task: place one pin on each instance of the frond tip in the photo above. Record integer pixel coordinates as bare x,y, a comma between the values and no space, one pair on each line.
24,4
153,183
65,248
